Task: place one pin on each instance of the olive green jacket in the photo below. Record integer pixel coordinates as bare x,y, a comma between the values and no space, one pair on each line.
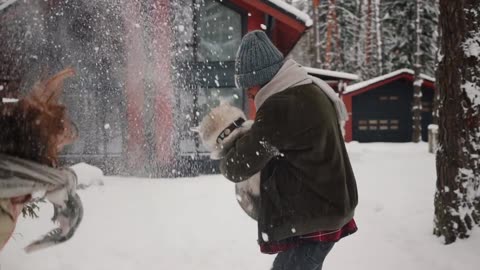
307,183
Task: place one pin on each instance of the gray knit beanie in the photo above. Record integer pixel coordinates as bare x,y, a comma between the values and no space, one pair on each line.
257,61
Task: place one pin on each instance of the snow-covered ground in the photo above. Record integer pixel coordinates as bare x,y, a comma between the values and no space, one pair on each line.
184,224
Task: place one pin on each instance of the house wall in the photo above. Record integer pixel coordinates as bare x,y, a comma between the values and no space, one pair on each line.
383,114
131,77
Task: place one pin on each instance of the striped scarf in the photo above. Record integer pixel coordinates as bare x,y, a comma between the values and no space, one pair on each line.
19,177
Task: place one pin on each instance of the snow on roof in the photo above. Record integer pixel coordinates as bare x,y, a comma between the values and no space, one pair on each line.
330,73
294,11
5,3
360,85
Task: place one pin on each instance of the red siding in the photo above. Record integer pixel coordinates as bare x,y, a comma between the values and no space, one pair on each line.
164,97
134,85
255,20
287,30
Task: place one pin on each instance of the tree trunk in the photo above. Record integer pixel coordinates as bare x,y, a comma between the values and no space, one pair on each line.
330,34
368,46
336,33
417,85
457,206
316,34
436,97
358,39
379,38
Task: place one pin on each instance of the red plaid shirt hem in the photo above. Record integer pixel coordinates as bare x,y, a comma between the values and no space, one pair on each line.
320,236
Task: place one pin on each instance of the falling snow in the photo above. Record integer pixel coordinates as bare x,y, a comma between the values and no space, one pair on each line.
265,237
9,100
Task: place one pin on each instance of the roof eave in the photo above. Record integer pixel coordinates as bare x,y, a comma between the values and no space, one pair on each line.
360,87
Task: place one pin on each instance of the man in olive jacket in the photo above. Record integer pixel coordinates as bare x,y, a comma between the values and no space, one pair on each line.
308,190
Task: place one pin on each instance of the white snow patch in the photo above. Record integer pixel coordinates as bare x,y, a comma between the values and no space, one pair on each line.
360,85
433,127
106,126
1,87
265,237
418,82
135,223
88,175
5,3
263,26
472,90
9,100
294,11
471,46
330,73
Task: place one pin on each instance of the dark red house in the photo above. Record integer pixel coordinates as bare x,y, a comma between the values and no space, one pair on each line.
380,109
147,70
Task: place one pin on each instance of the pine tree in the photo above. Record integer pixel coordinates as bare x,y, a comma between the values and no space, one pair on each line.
429,38
369,37
350,35
304,51
457,198
398,31
398,23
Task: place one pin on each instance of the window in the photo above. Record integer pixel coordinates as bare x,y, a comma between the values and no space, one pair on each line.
207,34
426,106
183,31
389,98
220,32
377,124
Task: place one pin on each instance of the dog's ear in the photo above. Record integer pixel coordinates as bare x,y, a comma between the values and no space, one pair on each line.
49,91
